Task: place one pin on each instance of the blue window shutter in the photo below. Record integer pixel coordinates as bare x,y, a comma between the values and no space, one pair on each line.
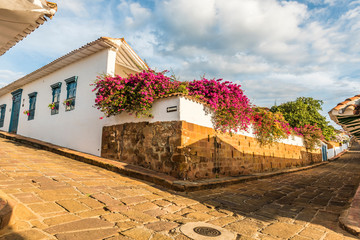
2,114
56,90
71,84
32,102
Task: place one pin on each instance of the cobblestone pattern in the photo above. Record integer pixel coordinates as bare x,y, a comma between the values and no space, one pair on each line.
59,198
189,151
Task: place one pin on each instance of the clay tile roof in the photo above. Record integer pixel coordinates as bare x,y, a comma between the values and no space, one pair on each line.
352,98
338,107
343,104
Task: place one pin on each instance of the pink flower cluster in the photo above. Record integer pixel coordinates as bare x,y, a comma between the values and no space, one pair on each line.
136,94
268,126
312,135
231,106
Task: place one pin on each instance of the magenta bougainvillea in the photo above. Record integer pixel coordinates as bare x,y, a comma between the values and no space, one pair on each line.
312,135
136,93
232,111
269,127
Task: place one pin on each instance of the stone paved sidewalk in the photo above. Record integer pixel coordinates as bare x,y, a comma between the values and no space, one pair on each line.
54,197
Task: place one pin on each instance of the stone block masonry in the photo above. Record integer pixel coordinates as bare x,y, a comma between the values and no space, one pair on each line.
189,151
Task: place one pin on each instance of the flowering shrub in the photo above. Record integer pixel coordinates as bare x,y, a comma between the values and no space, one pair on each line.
231,107
269,127
136,93
27,112
52,105
67,102
312,135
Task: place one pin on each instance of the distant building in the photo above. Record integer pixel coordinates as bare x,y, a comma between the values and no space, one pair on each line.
347,114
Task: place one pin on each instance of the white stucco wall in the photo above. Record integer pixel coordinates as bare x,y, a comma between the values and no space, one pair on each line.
6,99
194,112
158,111
79,129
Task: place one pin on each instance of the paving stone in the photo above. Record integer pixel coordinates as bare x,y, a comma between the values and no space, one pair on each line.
38,224
83,224
162,203
311,232
118,237
46,207
72,206
127,225
87,235
199,216
133,200
282,230
138,233
145,206
158,236
90,202
92,213
311,200
161,226
106,199
60,219
23,213
20,225
32,234
245,227
156,212
115,217
139,216
223,221
27,198
182,237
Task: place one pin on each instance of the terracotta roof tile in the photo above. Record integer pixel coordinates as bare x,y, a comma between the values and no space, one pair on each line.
353,98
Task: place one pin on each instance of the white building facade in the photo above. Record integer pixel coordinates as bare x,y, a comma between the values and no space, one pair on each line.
68,79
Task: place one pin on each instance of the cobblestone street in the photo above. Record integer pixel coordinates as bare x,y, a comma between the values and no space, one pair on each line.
59,198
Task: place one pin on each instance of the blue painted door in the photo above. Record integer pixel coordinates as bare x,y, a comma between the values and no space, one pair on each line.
14,121
324,152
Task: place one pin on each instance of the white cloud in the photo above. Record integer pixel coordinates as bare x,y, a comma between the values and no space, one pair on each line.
8,76
275,49
135,15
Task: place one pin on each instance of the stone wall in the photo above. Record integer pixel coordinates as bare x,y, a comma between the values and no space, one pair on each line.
189,151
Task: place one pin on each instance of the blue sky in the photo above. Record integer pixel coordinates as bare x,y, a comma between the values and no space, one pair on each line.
277,50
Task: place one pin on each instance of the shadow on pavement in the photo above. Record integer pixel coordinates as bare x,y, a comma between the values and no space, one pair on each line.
307,203
289,202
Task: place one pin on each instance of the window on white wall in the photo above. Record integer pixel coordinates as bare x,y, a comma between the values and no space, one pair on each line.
56,90
2,114
71,84
32,103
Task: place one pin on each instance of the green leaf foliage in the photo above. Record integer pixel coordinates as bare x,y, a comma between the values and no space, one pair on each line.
305,111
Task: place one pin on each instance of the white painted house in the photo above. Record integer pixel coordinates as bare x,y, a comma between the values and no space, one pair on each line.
76,126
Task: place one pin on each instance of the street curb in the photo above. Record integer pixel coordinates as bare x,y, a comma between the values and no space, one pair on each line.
338,155
146,174
348,225
349,219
